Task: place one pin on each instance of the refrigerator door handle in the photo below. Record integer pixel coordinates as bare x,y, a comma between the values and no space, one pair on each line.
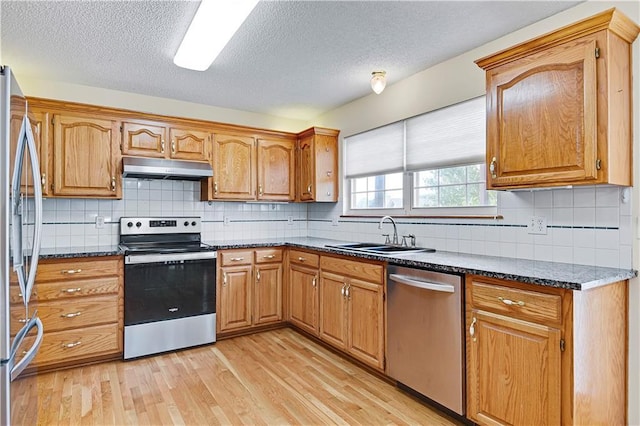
31,353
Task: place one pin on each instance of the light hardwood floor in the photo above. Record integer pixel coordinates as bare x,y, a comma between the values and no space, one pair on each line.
276,377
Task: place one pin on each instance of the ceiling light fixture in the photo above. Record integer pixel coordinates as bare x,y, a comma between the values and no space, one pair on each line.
378,81
212,27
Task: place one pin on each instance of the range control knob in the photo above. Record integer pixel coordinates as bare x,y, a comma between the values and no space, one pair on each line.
193,223
186,223
138,224
130,224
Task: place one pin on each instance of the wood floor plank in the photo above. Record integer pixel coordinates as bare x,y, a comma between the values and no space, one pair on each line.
277,377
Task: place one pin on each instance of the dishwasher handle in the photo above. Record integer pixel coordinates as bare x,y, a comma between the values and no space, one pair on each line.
427,285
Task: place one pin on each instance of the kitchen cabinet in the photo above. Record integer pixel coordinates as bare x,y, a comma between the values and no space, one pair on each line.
165,140
252,168
352,308
40,129
249,288
303,290
559,107
86,157
276,169
317,167
80,304
528,364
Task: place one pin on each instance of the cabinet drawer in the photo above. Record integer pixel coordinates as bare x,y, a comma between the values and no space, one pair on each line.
68,289
71,345
236,257
515,302
66,314
304,258
72,269
268,255
366,271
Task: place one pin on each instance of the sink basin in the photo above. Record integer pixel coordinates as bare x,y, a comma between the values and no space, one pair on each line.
379,249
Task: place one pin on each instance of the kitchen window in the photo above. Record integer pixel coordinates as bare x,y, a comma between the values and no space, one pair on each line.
431,164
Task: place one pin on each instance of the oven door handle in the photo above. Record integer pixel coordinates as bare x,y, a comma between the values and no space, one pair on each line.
133,259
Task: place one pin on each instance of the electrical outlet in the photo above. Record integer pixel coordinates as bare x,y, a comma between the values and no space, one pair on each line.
226,221
537,225
290,220
99,222
334,221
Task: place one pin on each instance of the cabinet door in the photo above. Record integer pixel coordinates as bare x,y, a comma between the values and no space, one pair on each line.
267,300
303,298
276,167
234,295
189,144
306,169
40,128
234,167
366,322
144,139
86,157
333,322
326,168
542,118
513,371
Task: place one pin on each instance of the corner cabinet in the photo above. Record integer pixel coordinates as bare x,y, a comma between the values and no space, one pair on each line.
559,107
535,354
86,157
317,168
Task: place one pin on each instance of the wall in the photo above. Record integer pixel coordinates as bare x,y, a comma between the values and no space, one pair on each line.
585,223
72,222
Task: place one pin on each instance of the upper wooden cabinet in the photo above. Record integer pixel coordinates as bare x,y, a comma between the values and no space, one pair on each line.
559,107
86,157
159,140
40,129
276,169
251,168
317,167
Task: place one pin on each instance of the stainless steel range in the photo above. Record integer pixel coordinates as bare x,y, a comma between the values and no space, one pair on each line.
169,285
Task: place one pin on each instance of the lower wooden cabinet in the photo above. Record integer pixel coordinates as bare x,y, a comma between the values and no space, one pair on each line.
303,290
80,304
535,355
249,288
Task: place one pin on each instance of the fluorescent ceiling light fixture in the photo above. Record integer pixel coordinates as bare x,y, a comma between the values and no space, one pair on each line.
213,25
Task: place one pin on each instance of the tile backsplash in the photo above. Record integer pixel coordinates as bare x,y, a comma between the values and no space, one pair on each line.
587,225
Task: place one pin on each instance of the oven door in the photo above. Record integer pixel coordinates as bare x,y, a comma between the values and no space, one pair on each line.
161,287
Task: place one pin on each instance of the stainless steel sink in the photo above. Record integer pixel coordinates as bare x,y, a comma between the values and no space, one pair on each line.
379,249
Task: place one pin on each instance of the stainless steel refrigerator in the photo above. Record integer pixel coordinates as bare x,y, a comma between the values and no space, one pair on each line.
20,236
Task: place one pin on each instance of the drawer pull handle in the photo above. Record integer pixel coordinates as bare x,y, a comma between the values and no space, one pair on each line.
71,345
302,259
237,259
71,315
71,290
71,271
510,302
472,329
173,309
269,256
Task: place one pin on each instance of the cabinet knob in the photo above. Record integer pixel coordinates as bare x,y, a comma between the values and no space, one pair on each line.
215,187
43,180
173,146
314,281
492,167
472,329
329,173
224,279
309,188
113,183
162,146
260,190
301,259
258,275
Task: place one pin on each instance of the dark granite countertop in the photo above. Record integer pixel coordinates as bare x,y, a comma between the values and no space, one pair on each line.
551,274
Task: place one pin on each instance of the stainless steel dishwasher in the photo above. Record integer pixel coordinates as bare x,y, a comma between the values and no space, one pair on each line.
425,349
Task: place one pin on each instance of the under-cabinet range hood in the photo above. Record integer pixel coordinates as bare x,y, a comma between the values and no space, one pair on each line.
157,168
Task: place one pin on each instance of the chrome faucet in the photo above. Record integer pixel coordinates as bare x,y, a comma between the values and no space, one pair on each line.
395,229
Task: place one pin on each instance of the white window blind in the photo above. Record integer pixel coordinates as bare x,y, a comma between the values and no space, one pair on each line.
449,136
376,152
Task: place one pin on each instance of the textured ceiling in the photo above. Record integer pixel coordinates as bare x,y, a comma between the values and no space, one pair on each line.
293,59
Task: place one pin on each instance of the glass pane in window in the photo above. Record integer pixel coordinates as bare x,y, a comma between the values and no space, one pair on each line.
375,200
359,201
426,197
360,185
427,178
393,181
393,199
473,194
474,173
452,175
453,196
